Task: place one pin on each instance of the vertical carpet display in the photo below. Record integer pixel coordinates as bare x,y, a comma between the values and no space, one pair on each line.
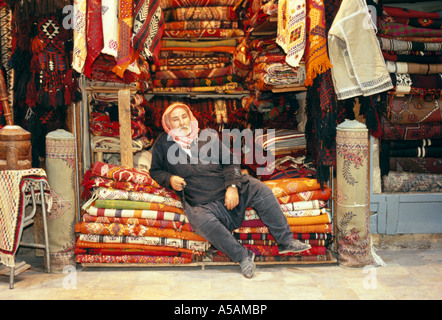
60,168
352,199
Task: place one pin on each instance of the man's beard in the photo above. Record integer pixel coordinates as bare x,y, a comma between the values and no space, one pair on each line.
181,131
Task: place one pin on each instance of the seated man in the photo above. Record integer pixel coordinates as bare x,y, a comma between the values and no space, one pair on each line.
215,194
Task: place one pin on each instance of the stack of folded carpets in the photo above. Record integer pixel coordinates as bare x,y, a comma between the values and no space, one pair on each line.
411,153
281,140
293,165
269,69
199,19
258,12
131,219
284,154
186,65
105,127
304,204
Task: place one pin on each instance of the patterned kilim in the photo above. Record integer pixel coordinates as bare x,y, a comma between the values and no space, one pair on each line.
86,258
121,229
411,182
94,34
167,4
398,29
132,213
116,194
136,205
411,131
196,246
284,187
118,173
392,44
148,27
13,185
412,109
291,30
316,57
416,165
222,13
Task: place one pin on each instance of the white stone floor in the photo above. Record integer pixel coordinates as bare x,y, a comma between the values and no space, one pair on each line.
408,274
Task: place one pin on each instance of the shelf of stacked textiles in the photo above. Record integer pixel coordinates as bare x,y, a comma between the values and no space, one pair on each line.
410,153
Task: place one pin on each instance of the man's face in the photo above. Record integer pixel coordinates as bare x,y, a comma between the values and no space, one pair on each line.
179,121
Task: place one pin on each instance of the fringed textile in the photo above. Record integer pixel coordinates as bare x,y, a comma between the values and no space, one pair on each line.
316,56
291,32
148,28
125,51
14,184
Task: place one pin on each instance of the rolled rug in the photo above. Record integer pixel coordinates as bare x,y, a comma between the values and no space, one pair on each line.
60,170
352,200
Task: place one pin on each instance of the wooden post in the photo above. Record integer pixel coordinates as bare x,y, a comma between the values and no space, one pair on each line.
125,128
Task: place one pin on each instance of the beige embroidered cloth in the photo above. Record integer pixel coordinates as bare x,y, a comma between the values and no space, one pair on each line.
358,65
291,33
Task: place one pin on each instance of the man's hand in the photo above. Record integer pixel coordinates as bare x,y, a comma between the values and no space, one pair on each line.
232,198
177,183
